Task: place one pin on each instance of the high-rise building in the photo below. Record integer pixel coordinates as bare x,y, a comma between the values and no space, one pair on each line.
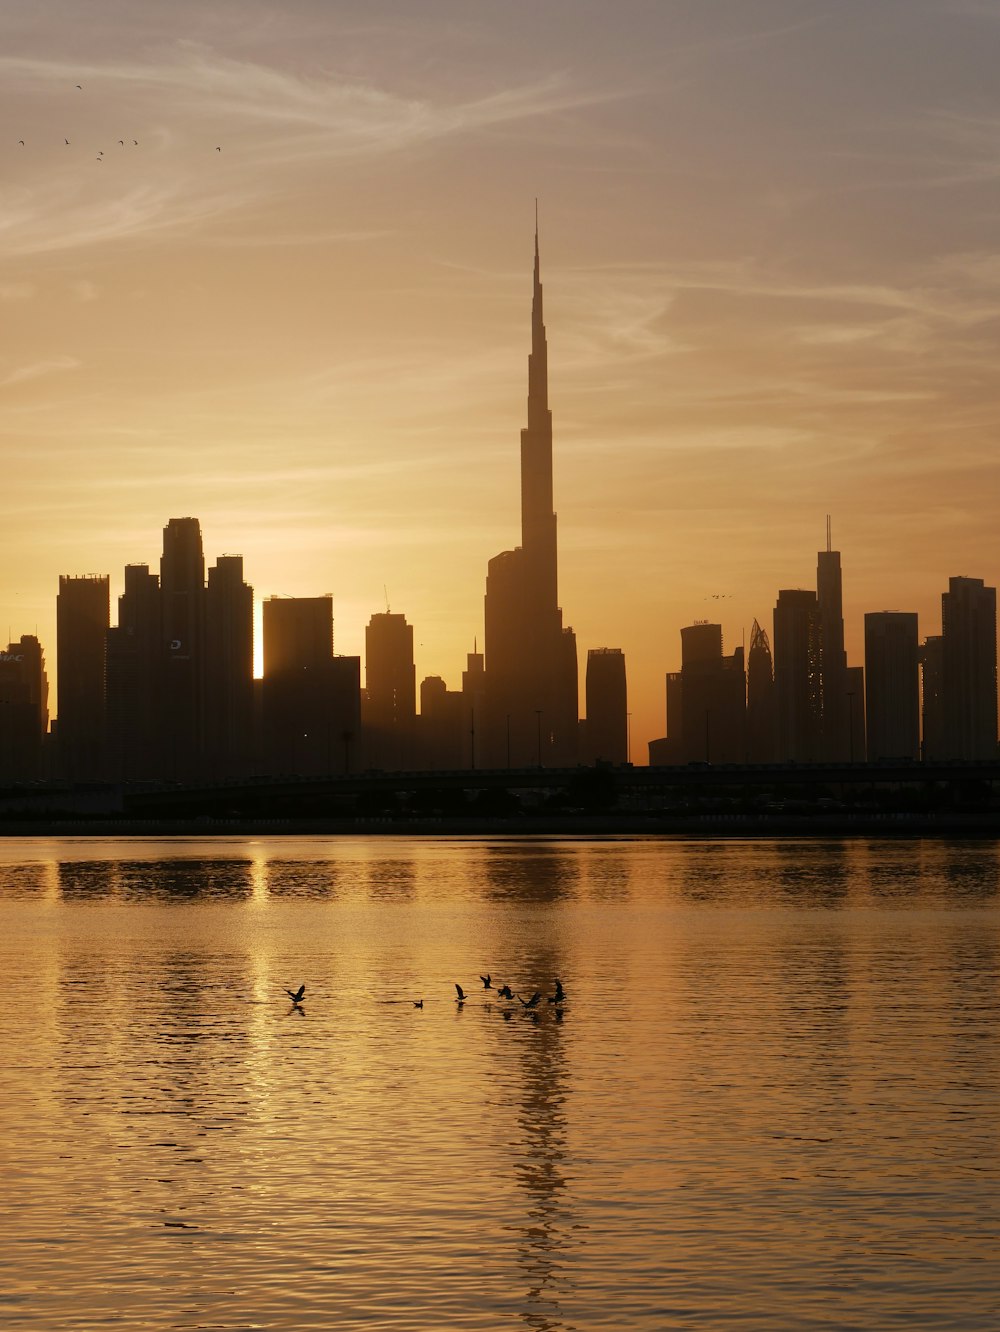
760,698
473,708
932,698
390,705
182,621
135,658
440,728
834,744
532,685
310,699
798,687
856,714
892,693
607,706
24,710
969,668
713,697
83,616
229,722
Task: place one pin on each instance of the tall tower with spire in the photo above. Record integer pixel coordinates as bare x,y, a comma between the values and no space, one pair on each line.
532,688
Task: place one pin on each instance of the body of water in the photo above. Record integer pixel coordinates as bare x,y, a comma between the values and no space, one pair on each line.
769,1099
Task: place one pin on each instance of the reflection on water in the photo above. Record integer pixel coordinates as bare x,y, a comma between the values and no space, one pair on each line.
768,1100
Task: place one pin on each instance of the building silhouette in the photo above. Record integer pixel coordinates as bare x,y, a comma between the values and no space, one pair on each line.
761,719
607,706
474,708
798,686
969,668
182,639
389,711
310,699
440,728
892,685
134,668
229,711
835,741
713,697
856,714
532,688
932,722
83,616
24,710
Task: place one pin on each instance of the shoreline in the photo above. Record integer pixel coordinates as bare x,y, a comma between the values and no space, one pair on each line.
836,825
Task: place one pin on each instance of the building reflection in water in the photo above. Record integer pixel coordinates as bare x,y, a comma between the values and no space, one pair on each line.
546,1233
156,880
546,1240
297,878
531,872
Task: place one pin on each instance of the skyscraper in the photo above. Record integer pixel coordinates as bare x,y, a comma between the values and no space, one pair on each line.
713,697
834,744
83,615
933,744
969,668
24,709
310,699
229,741
607,706
134,670
182,627
760,698
390,705
892,689
532,686
798,687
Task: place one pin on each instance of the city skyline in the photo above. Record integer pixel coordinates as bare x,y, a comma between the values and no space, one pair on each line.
755,318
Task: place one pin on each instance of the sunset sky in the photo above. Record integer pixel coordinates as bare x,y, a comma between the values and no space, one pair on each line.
770,237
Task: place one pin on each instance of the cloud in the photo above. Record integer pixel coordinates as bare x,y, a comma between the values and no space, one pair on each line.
38,369
16,291
268,122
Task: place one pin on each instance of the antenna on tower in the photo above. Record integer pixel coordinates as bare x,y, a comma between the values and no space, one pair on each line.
829,537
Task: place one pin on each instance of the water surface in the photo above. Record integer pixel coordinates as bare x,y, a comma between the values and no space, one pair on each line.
770,1099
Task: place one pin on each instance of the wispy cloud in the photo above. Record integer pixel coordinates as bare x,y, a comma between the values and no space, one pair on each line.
214,135
38,369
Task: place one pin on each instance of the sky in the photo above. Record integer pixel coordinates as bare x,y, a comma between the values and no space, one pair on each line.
279,279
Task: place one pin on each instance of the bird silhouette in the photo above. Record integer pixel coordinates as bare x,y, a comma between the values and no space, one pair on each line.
296,998
559,995
505,992
80,87
418,1003
66,141
533,1001
218,150
460,993
21,142
487,981
122,142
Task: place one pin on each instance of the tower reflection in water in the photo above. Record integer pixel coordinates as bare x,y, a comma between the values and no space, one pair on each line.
546,1231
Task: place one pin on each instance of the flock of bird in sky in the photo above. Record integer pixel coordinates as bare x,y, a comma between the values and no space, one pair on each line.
122,143
501,991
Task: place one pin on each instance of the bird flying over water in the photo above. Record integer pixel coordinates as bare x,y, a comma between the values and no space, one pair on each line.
559,995
296,998
418,1003
533,1001
505,992
460,993
487,981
